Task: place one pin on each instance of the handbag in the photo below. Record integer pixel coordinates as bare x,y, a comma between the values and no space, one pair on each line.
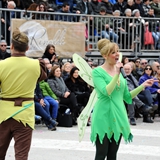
64,119
148,37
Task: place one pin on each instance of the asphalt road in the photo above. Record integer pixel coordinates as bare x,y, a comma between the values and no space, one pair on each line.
63,144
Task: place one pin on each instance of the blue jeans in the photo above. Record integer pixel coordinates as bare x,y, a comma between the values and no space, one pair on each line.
156,36
53,103
40,110
110,35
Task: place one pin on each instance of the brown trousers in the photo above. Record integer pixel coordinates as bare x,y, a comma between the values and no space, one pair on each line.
22,136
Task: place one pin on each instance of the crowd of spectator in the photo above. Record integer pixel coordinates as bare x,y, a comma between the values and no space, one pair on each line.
64,85
117,29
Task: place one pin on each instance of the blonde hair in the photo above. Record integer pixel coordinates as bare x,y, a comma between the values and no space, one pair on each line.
106,47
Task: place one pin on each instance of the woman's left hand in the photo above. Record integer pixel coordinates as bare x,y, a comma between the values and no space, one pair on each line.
149,82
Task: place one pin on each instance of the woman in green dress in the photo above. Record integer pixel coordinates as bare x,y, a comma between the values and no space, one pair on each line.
109,119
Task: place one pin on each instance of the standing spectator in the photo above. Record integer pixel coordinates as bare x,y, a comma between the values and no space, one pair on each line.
130,4
7,17
3,50
139,27
108,6
155,5
42,8
139,5
18,77
121,5
95,6
33,7
83,7
147,8
65,9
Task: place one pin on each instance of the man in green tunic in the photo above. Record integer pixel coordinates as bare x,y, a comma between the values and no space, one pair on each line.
18,77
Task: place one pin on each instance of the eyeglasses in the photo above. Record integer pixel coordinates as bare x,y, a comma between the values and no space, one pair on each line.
143,63
3,45
148,69
158,67
137,61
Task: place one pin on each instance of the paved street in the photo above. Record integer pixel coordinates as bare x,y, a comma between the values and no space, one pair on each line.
63,144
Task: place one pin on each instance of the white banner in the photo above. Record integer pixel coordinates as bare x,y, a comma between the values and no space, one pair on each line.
67,37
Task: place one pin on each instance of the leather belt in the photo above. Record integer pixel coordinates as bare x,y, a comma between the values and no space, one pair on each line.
17,101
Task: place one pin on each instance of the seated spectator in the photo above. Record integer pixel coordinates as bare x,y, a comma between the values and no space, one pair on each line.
66,68
143,100
65,9
48,65
108,6
104,25
95,7
155,5
121,5
59,88
137,72
42,109
3,50
50,97
50,53
76,85
154,89
155,67
125,60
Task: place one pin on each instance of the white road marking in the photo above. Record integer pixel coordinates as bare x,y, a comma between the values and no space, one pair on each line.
88,146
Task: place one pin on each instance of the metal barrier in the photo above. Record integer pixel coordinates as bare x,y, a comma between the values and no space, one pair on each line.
128,32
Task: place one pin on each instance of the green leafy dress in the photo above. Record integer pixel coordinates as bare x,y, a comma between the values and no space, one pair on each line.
109,114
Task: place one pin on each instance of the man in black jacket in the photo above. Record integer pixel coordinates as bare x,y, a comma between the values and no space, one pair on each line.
121,5
3,50
83,7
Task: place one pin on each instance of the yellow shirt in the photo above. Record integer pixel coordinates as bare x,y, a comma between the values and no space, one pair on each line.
18,78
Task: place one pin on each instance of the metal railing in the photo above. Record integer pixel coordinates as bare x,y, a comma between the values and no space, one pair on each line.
128,32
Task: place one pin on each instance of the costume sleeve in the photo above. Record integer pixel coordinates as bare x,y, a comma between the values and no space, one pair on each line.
102,84
136,91
110,87
126,94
